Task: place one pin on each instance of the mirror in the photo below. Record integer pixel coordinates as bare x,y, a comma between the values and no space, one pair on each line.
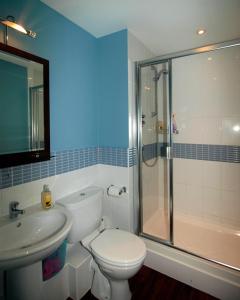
24,107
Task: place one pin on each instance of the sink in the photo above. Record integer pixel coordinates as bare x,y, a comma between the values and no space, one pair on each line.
33,236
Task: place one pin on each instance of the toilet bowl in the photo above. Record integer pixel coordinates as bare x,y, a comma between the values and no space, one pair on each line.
119,254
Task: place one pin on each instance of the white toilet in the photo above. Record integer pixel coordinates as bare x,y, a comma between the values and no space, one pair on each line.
119,254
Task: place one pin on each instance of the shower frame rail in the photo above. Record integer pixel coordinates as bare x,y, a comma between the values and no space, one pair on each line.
167,58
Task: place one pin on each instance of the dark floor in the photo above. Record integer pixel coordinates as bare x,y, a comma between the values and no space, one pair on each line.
151,285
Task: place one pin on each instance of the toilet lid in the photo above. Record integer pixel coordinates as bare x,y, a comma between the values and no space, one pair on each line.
119,247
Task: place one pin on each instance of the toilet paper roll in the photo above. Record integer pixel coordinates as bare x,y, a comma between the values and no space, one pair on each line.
114,191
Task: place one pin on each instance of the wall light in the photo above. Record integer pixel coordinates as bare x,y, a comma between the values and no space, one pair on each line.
236,128
201,31
10,22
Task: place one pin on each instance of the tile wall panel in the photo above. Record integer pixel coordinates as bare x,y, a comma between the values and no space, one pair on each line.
66,161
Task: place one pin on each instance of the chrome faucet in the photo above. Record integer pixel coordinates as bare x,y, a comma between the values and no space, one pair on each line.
13,211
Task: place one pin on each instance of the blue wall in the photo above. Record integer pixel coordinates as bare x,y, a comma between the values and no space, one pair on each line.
88,76
113,79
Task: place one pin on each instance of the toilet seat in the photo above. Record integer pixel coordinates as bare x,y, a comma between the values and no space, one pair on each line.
119,248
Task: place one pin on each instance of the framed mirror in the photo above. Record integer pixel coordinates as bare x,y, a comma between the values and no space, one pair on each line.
24,107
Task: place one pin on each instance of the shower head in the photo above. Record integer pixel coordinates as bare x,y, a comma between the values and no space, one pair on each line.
158,73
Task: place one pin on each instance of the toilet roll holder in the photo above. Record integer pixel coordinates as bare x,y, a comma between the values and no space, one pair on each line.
122,190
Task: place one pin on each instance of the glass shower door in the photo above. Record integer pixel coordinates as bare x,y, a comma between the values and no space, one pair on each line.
206,165
154,148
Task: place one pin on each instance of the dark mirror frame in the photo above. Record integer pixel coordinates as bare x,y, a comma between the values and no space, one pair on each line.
8,160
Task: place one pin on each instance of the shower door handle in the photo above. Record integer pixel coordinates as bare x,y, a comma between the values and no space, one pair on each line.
169,152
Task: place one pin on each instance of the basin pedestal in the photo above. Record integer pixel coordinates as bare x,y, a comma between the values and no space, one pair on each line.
26,284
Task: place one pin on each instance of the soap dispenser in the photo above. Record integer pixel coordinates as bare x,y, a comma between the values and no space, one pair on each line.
46,197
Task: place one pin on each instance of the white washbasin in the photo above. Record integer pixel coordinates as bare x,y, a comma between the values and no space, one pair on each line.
33,236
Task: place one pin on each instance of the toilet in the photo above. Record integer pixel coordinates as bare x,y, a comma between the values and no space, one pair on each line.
118,254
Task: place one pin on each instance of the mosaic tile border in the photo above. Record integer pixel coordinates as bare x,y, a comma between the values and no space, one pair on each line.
132,156
70,160
221,153
150,150
113,156
66,161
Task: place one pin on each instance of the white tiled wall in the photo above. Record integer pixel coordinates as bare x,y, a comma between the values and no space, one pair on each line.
206,97
117,210
208,190
61,185
206,103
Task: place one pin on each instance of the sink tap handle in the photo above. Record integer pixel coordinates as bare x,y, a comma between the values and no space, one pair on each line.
14,204
13,211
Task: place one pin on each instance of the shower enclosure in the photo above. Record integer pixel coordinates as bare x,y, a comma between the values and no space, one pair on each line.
189,151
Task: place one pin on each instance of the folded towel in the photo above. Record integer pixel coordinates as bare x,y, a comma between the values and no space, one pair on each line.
54,263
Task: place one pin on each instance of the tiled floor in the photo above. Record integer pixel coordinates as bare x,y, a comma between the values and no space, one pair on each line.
151,285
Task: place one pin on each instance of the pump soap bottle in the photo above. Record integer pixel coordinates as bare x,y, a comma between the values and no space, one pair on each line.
46,197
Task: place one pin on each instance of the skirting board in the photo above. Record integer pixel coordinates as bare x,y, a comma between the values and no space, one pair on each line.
220,282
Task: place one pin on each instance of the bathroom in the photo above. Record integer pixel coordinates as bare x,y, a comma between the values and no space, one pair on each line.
180,193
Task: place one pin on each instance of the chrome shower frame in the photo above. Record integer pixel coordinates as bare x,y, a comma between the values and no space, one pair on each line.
151,62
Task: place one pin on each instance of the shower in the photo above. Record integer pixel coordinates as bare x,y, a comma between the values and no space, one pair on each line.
189,191
156,78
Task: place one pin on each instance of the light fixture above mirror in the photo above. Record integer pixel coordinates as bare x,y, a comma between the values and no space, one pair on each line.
10,22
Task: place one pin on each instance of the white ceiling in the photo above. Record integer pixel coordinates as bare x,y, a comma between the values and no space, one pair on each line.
164,26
